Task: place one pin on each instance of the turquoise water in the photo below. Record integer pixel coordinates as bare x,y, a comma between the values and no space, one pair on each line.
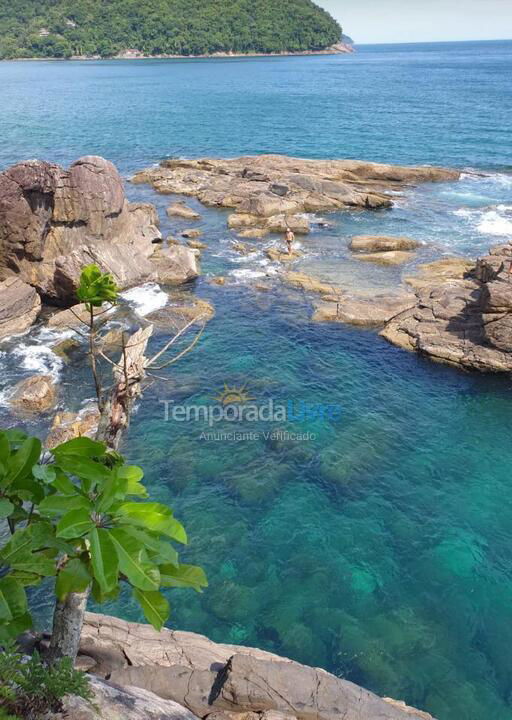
381,548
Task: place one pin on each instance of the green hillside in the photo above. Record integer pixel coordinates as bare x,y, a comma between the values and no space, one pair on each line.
62,28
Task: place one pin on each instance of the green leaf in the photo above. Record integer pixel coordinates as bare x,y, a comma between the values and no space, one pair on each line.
64,485
159,551
155,607
20,464
132,475
104,559
15,437
152,516
186,576
100,597
74,524
112,489
59,504
132,562
82,446
74,577
96,287
45,473
26,540
13,599
35,564
6,508
5,448
84,468
13,630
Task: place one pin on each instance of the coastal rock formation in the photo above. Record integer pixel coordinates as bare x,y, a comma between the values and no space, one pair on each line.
225,680
381,243
19,307
54,221
34,395
461,317
69,425
387,257
284,256
175,265
370,312
271,192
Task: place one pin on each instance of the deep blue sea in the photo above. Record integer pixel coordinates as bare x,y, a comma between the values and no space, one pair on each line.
381,549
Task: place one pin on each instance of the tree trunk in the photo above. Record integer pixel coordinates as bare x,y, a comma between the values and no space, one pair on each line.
68,619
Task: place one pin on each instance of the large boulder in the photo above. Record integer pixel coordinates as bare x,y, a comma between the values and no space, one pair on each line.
54,221
35,394
19,307
176,265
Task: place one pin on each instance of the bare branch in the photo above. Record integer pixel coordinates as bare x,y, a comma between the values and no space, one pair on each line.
183,352
174,339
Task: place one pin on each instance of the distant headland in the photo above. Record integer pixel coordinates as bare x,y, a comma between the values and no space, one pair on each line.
80,29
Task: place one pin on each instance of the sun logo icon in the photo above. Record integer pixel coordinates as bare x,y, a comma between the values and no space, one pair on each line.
234,396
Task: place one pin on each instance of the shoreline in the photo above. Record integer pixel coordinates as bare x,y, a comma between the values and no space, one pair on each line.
338,49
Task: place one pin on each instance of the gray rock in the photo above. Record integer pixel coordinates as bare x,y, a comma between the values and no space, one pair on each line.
112,702
34,395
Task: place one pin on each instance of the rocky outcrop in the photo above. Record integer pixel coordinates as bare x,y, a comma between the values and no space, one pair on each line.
19,307
461,316
34,395
271,192
55,221
225,681
69,425
388,257
381,243
369,312
277,255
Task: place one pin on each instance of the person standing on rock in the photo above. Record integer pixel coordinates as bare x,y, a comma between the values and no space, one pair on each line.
289,239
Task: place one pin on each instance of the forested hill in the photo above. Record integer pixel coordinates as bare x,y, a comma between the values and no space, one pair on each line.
64,28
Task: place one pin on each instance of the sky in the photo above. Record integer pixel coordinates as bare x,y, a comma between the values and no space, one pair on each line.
390,21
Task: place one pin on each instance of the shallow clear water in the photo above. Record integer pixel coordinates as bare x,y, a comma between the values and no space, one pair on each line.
381,548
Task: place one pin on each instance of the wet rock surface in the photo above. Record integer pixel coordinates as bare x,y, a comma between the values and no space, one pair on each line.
36,394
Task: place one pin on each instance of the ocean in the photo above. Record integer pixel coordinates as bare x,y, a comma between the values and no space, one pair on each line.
376,544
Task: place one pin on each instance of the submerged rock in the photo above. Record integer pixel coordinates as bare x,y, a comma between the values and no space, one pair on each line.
19,307
310,284
389,257
192,233
36,394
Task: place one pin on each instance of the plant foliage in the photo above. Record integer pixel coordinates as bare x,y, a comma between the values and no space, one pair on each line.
62,28
29,688
81,515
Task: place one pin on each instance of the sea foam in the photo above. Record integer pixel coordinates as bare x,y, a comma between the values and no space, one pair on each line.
145,299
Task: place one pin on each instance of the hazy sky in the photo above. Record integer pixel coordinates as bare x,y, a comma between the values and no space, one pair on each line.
388,21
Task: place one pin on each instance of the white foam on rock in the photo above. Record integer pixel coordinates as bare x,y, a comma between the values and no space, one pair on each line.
145,299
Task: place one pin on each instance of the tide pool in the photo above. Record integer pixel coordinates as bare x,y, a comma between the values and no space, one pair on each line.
380,547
